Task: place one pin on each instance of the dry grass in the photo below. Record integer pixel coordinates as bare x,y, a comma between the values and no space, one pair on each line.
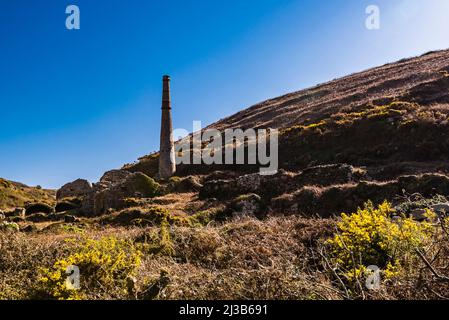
246,259
17,195
276,258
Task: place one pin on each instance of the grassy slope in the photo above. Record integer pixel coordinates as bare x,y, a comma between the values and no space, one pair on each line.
14,195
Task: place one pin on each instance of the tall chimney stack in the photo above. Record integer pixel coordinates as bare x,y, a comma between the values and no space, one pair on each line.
167,164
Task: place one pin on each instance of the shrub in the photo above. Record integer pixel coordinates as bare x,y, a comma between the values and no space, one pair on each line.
371,237
104,265
146,216
158,241
141,183
204,217
9,226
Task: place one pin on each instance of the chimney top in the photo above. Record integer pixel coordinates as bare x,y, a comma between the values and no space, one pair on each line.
166,77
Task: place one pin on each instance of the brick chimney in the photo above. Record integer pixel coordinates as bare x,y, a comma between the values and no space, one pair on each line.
167,164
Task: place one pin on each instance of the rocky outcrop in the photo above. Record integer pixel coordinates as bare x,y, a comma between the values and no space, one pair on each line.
114,177
69,204
265,186
136,185
183,185
109,193
248,205
328,175
283,182
333,200
38,208
78,189
17,212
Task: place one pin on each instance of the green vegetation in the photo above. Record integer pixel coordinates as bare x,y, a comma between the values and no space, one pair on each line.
144,185
148,165
371,135
14,195
371,237
104,264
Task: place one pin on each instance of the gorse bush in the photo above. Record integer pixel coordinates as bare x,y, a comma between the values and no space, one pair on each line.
371,237
104,264
9,226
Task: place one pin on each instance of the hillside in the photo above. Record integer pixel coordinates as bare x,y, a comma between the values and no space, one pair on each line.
14,194
400,108
374,145
423,80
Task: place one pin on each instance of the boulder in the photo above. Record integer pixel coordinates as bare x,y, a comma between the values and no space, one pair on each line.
425,184
38,208
418,214
265,186
220,189
70,219
17,212
136,185
328,175
246,205
114,177
29,228
78,188
38,217
440,208
182,185
137,216
68,204
16,219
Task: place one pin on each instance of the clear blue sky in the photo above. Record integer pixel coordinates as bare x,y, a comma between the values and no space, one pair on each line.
77,103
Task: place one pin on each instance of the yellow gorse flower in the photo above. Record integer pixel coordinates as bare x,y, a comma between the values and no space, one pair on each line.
371,237
108,261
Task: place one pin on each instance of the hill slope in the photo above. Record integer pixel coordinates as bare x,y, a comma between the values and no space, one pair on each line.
395,114
378,135
14,194
422,80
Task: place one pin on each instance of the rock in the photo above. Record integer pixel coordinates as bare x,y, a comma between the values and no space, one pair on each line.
247,205
137,216
249,182
427,184
136,185
330,175
29,228
17,212
54,216
419,214
330,201
70,219
397,219
441,208
220,189
16,219
182,185
78,188
221,175
114,177
265,186
38,208
38,217
68,204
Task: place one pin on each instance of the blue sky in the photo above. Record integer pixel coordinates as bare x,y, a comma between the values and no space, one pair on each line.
77,103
